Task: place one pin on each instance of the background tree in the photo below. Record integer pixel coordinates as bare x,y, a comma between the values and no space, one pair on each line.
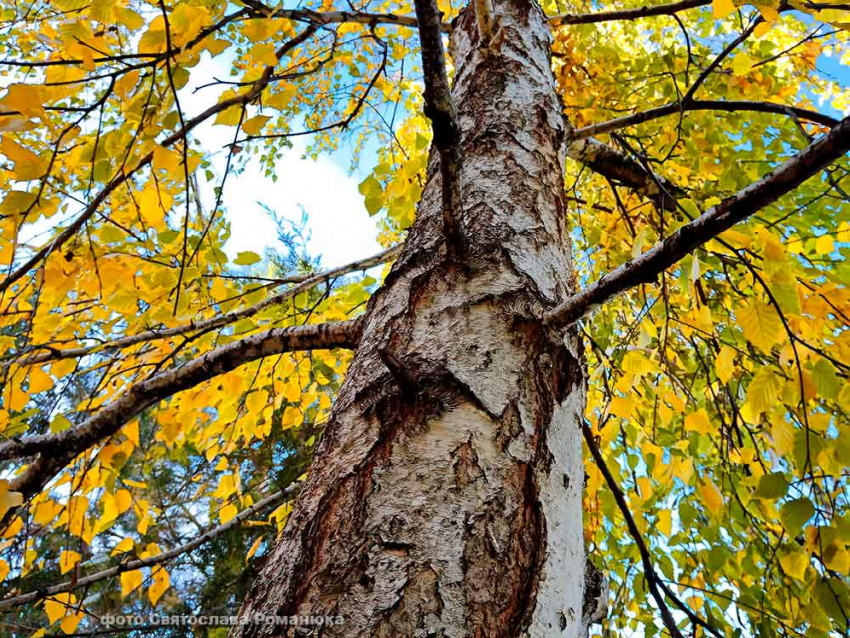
678,169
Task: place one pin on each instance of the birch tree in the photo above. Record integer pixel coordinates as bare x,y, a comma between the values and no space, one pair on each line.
595,382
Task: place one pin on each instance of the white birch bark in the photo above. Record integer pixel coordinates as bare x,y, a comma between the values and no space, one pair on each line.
445,497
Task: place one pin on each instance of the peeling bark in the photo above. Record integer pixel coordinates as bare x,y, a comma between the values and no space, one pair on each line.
445,496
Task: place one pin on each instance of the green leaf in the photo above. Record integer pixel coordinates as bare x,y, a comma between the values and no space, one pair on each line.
374,203
59,424
794,515
763,390
370,186
246,258
772,486
827,381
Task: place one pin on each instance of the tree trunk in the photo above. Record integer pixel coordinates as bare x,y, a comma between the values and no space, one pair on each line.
445,497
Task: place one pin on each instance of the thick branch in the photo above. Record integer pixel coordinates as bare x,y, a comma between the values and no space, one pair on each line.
157,559
704,105
619,167
440,109
109,419
218,321
627,14
334,17
57,450
646,267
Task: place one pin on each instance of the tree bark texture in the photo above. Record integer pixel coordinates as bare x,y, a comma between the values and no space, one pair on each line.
445,497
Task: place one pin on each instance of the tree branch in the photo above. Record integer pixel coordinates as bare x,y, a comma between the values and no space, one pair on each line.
440,109
703,105
336,17
729,48
646,267
617,166
217,321
627,14
139,563
109,419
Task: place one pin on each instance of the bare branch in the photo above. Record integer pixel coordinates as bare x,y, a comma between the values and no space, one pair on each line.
729,48
646,267
704,105
627,14
157,559
109,419
440,109
218,321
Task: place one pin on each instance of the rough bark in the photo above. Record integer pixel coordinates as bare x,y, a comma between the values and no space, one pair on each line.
445,496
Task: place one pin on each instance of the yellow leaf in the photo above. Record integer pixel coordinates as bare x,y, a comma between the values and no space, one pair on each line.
130,582
710,495
794,562
725,364
722,8
39,381
264,54
167,160
665,522
761,325
761,29
14,527
836,558
16,398
62,368
255,124
161,582
131,431
768,13
77,507
253,550
123,500
124,546
154,203
46,512
621,406
8,499
24,98
280,515
70,623
28,165
227,513
742,64
698,422
763,390
824,245
57,606
67,560
844,232
256,401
